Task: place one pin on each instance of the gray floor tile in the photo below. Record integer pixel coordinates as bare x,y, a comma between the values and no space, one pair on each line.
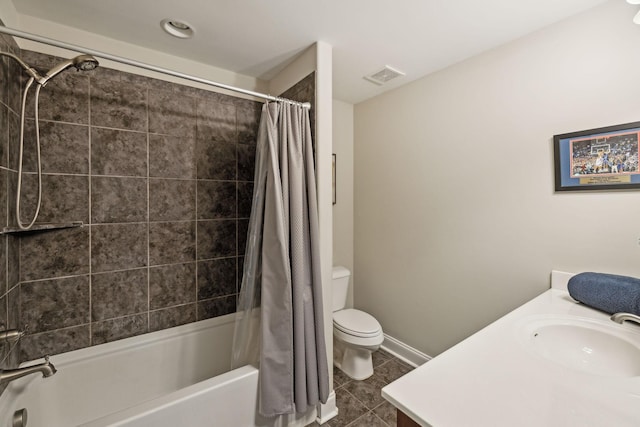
360,403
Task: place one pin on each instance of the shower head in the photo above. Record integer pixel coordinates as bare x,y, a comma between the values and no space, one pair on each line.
80,62
85,63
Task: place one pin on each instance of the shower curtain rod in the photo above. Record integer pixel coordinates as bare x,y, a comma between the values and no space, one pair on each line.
99,54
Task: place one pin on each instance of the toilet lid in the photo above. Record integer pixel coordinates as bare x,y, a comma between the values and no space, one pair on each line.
356,322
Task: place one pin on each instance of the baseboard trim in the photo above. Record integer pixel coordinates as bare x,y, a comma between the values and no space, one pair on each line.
403,351
328,410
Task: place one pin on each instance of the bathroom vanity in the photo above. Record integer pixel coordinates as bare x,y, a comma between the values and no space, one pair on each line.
551,362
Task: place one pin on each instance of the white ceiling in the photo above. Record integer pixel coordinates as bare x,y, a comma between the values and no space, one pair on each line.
257,37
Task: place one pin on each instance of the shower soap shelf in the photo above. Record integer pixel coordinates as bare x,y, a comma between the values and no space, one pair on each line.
42,227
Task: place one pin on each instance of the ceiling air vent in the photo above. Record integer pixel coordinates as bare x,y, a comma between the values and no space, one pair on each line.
383,76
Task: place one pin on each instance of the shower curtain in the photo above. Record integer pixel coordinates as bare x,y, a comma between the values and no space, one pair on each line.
280,302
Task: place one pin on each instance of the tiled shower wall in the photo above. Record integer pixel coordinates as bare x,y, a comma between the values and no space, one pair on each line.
9,264
161,174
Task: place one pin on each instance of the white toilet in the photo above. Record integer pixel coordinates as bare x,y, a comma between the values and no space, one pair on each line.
356,334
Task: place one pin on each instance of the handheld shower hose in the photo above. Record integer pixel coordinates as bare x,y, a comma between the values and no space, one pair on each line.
20,155
81,63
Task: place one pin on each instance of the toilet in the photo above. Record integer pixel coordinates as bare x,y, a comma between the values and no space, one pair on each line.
356,334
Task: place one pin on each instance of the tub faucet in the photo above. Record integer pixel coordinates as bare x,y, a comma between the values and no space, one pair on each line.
621,317
47,369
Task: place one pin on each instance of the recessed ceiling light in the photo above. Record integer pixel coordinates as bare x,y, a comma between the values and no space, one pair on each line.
177,28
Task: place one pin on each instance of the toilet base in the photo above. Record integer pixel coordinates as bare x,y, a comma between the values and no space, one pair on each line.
356,363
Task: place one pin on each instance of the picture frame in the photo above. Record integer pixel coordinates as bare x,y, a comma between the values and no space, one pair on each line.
333,177
598,159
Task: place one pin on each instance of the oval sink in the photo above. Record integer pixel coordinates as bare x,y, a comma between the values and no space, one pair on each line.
585,345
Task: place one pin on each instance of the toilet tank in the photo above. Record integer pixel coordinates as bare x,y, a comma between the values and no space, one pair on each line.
340,282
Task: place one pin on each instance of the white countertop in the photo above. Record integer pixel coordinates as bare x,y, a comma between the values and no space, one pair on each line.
494,379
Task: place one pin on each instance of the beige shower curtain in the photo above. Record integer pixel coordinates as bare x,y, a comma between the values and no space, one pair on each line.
282,269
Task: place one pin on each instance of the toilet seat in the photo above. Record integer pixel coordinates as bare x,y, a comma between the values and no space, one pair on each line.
356,323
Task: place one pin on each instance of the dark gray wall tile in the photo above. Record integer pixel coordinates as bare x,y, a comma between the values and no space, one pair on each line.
118,247
118,200
54,304
4,197
4,131
64,99
118,294
145,82
13,257
216,239
240,273
5,347
54,254
118,105
116,329
209,96
216,199
105,74
172,285
118,152
172,115
172,157
65,198
216,278
3,262
216,160
3,318
172,242
246,155
59,341
14,140
16,78
13,308
243,230
40,61
245,199
216,307
134,80
246,103
64,148
173,316
172,200
248,122
4,73
216,121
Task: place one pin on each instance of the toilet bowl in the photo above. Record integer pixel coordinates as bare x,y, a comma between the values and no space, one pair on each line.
356,334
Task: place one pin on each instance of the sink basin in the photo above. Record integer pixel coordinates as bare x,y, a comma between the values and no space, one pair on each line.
586,345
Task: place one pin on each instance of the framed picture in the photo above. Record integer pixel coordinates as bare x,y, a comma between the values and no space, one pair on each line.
333,176
598,159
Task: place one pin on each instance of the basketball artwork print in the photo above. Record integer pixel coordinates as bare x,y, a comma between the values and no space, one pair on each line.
599,159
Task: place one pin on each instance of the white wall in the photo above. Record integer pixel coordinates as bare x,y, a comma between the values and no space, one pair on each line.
343,209
456,219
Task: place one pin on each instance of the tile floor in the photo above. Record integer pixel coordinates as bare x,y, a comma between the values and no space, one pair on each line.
360,403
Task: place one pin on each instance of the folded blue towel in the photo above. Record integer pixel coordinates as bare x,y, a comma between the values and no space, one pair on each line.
606,292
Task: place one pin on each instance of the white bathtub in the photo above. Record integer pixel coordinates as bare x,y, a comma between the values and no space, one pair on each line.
170,378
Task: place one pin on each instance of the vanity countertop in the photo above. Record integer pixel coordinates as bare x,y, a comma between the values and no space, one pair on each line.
495,378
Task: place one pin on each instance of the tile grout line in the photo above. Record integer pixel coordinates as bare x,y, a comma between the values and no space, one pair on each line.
195,213
90,219
148,222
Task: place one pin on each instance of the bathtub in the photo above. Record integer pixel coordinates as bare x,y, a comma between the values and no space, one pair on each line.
170,378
